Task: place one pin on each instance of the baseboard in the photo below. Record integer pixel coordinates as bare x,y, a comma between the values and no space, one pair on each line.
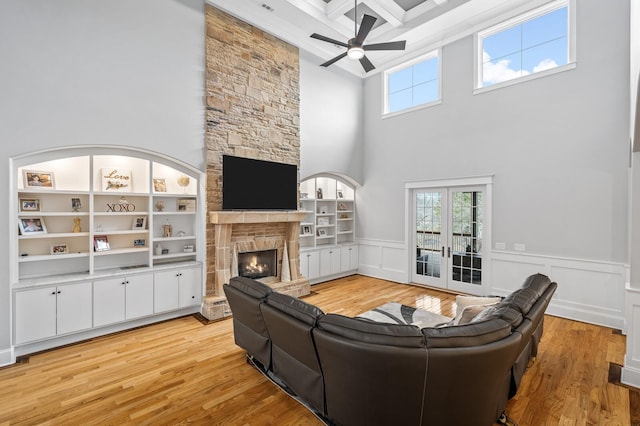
630,376
7,357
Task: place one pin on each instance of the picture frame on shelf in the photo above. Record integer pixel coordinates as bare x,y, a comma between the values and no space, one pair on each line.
101,243
323,221
306,229
29,204
76,204
186,205
188,248
38,179
32,226
139,243
322,233
139,223
159,185
115,179
340,194
59,249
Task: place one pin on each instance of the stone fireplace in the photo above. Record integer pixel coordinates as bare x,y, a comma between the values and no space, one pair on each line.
243,232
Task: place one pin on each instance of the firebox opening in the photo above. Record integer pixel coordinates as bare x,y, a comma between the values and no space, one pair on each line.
258,264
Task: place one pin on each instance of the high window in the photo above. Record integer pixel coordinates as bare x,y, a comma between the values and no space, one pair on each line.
414,84
536,43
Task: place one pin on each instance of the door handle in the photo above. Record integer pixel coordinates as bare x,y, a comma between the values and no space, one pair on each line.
442,251
448,251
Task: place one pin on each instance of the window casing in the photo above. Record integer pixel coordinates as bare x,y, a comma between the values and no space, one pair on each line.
528,46
412,85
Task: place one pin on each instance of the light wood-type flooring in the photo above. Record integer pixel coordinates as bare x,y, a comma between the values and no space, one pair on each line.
188,371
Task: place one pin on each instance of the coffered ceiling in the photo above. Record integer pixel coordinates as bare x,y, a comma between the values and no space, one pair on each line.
424,24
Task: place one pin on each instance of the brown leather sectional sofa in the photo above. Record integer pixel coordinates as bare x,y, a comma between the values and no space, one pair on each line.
353,371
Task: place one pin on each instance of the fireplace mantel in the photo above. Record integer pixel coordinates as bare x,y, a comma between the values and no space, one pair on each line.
231,217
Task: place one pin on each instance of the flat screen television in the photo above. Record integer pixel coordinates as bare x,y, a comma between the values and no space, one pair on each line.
249,184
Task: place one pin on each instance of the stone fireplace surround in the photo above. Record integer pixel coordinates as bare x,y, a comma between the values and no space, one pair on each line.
252,231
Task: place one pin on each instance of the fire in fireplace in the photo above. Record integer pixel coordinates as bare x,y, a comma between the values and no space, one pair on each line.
258,264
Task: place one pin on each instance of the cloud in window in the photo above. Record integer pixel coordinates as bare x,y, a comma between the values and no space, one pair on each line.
499,71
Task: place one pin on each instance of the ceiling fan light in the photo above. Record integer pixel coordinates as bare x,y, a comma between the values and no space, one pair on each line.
355,53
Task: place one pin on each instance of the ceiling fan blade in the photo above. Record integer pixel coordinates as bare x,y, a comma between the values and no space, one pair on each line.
366,64
331,61
329,40
392,45
365,27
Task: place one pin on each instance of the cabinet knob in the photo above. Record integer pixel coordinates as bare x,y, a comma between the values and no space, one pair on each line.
53,293
59,292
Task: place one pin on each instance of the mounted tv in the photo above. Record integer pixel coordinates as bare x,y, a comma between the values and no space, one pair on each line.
249,184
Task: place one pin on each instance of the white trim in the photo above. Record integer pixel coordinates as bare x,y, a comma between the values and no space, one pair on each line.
7,357
479,36
455,181
435,53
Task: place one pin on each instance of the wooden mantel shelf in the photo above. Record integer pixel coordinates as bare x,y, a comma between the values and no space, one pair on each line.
231,217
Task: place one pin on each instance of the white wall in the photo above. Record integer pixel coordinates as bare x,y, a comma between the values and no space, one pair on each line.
81,72
331,120
557,146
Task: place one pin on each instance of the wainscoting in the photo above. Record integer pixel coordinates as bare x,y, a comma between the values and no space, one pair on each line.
588,291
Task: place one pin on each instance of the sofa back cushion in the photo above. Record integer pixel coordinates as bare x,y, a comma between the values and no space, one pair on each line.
470,334
249,331
374,373
290,322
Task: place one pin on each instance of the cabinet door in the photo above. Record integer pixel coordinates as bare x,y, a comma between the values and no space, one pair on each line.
329,261
310,264
166,292
74,311
190,287
349,261
139,296
35,314
108,301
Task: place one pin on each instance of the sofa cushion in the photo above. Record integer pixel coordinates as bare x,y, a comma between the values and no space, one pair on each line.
362,330
472,334
470,306
522,299
251,287
537,282
295,307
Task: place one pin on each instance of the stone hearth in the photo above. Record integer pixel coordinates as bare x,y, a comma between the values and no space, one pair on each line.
233,234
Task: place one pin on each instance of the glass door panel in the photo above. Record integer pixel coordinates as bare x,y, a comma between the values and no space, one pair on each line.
428,233
465,239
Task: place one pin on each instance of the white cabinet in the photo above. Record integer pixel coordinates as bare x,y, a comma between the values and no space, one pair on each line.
177,289
349,258
329,261
120,299
49,311
310,264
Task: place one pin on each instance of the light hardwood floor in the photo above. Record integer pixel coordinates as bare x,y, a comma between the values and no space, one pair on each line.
185,371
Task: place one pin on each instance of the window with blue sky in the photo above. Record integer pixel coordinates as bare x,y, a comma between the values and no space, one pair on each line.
530,44
414,84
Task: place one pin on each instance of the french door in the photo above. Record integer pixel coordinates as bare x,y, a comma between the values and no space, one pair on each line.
449,229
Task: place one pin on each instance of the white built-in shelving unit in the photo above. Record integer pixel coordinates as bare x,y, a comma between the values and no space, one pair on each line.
107,238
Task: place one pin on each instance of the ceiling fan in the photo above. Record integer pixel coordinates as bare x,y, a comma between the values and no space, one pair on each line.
355,46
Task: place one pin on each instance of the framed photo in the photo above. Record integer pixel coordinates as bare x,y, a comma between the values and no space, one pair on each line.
165,251
76,204
306,229
188,248
101,243
186,205
139,223
115,179
31,225
139,243
29,205
38,179
340,194
323,221
159,185
322,233
59,249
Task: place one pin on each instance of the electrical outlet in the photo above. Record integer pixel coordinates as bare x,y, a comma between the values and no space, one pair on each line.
501,246
519,247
